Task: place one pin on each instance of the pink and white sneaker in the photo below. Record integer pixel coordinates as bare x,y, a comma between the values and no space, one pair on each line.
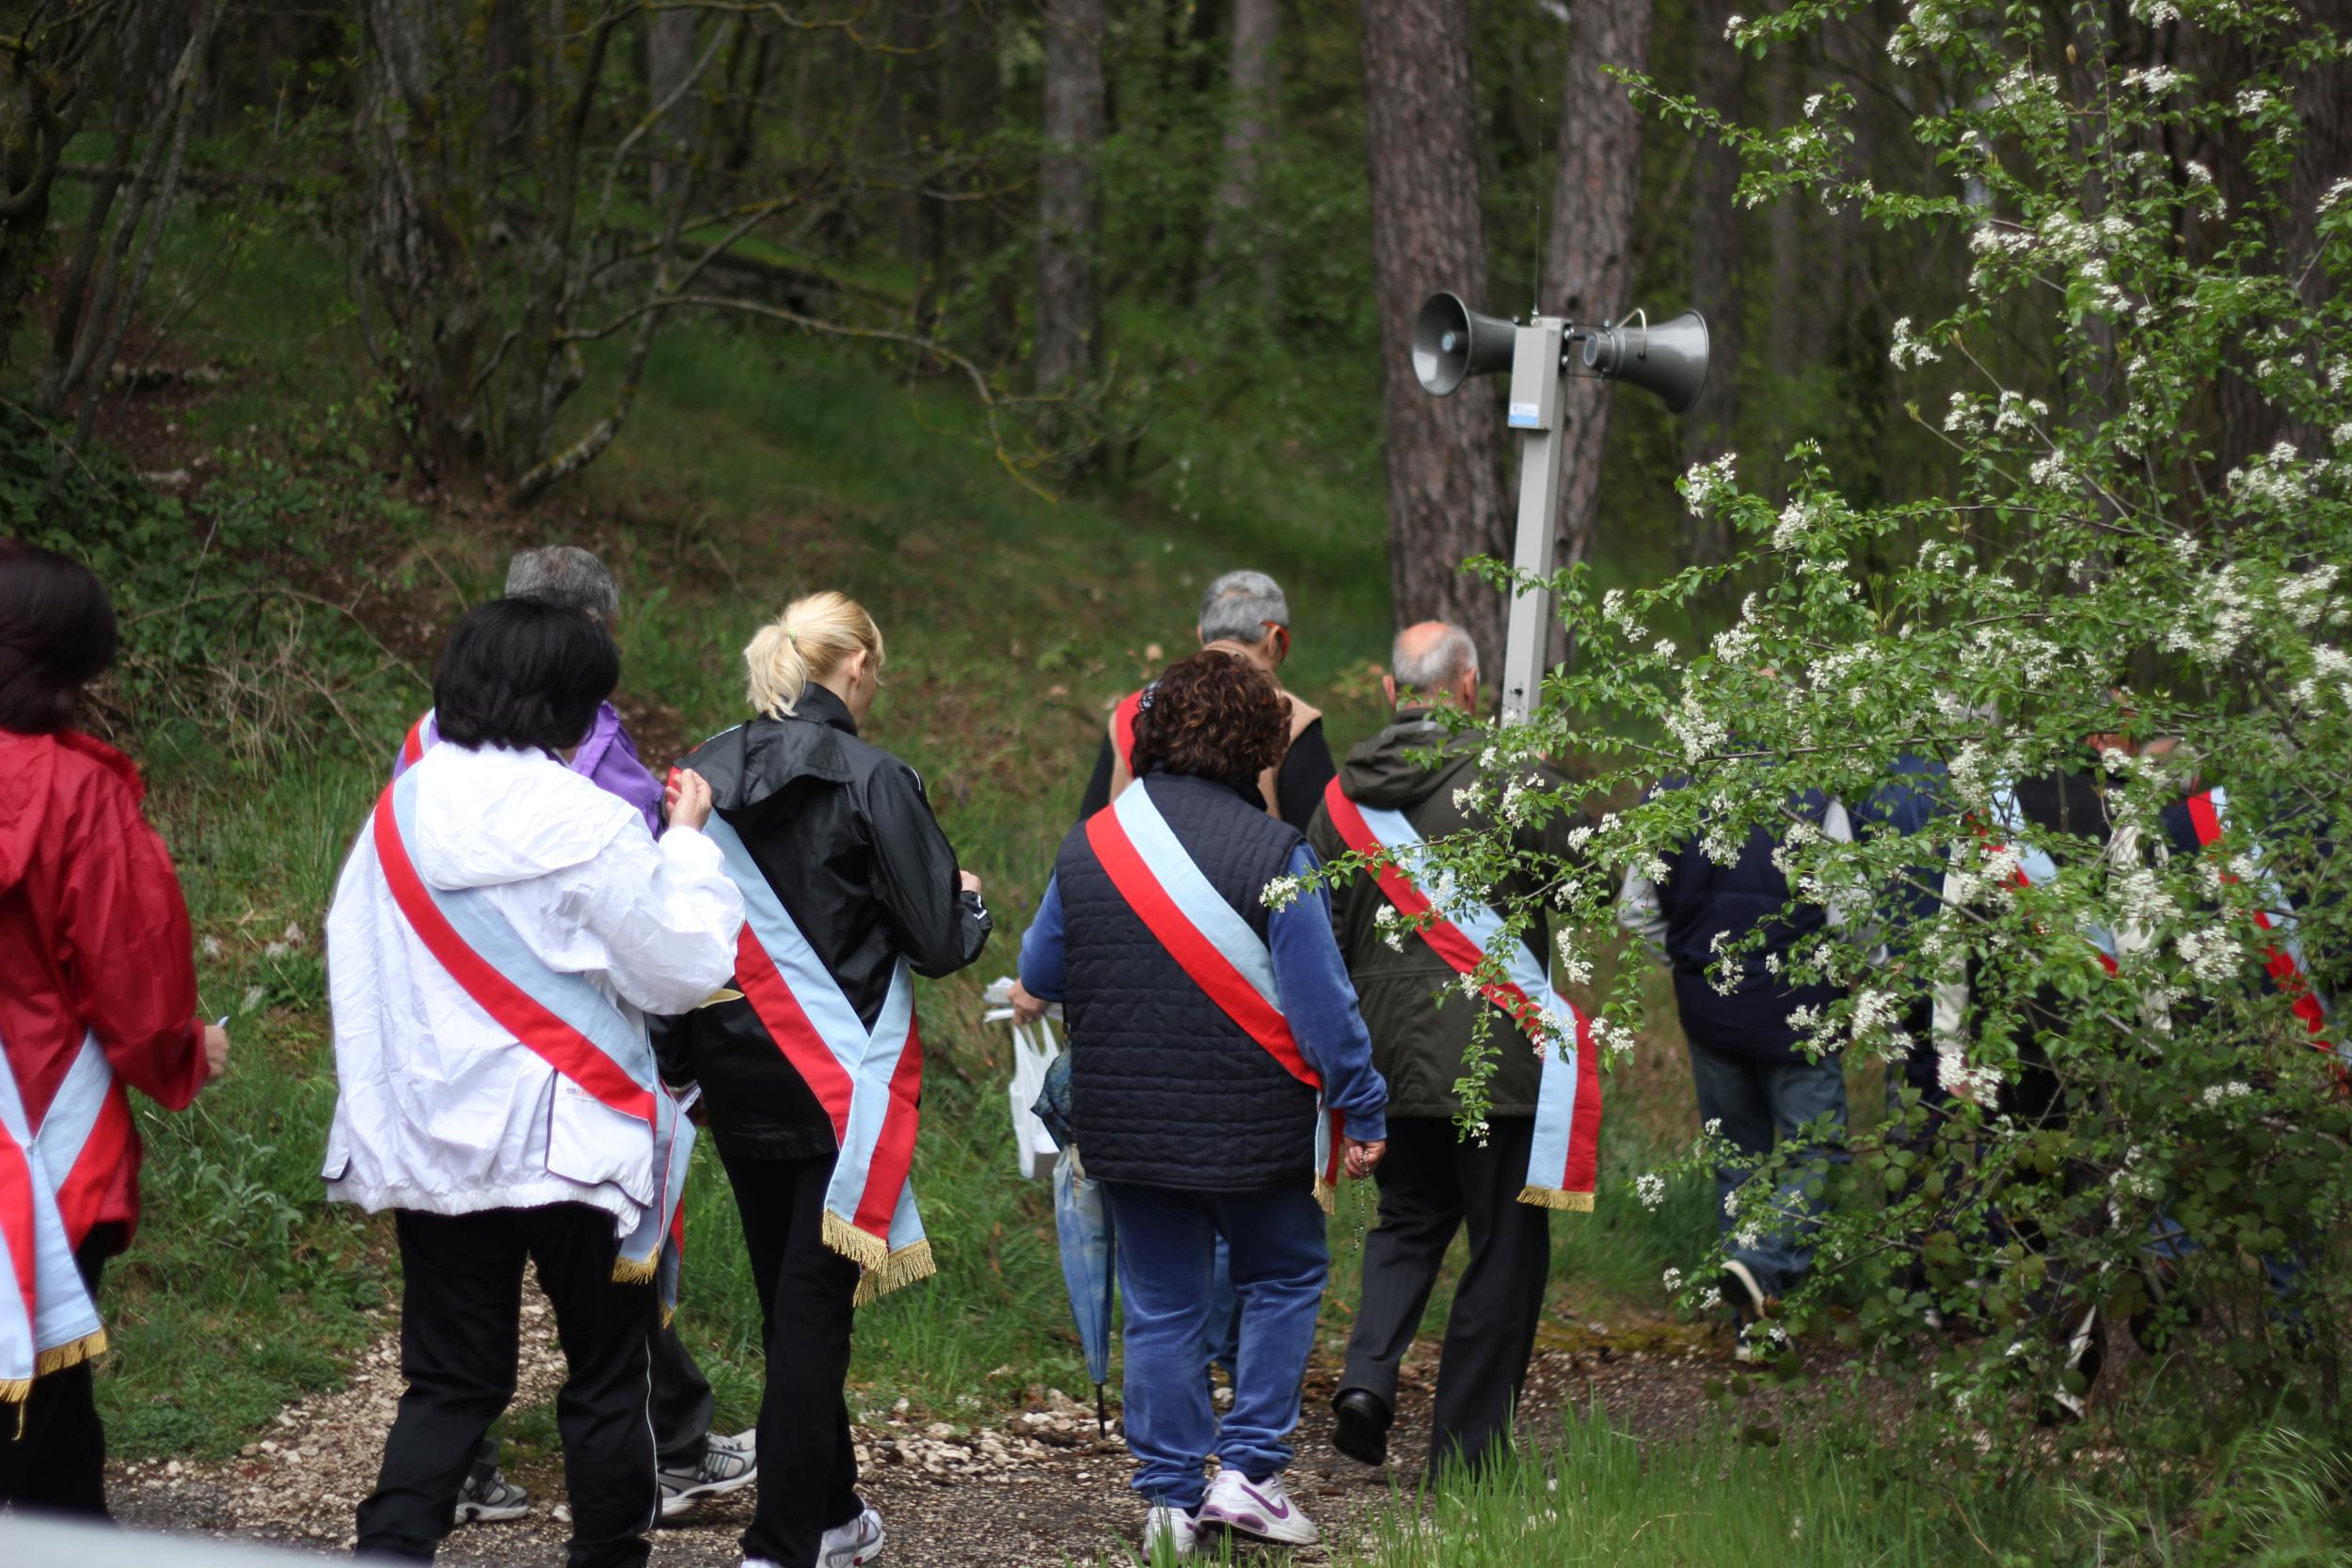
856,1544
1261,1509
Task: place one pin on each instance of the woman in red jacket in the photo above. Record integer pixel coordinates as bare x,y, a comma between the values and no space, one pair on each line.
97,992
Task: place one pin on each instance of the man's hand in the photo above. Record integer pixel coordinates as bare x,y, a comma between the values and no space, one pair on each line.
688,796
215,1051
1026,1008
967,881
1363,1157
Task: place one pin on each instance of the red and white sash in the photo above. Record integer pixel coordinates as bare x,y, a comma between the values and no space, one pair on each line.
53,1176
2282,953
870,1080
1123,728
1211,942
2035,869
1566,1157
561,1018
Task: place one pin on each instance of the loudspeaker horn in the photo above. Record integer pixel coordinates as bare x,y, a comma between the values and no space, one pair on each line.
1669,359
1453,343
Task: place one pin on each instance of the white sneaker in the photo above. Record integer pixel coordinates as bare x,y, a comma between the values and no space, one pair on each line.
746,1442
853,1546
1171,1529
491,1500
723,1469
1261,1509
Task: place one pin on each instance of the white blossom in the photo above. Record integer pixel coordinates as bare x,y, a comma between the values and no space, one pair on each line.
1650,1187
1282,892
1673,1281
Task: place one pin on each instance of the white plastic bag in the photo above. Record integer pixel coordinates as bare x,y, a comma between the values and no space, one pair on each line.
1034,1048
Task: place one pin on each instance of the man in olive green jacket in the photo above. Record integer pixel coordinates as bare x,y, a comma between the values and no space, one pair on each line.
1434,1180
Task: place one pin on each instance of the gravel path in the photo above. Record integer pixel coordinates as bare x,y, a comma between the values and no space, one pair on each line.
1038,1487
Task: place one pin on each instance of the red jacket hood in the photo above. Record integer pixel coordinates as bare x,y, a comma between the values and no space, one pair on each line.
38,773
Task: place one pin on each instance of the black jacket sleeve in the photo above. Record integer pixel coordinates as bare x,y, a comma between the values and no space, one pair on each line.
1098,793
938,927
1307,772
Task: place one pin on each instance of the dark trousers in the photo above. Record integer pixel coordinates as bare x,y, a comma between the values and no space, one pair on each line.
55,1462
461,1312
807,1469
682,1406
1431,1184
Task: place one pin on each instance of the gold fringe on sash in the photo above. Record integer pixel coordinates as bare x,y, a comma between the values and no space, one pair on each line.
885,1271
1326,1197
56,1359
627,1271
1552,1197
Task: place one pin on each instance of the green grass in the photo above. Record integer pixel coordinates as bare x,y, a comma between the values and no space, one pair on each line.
1600,1496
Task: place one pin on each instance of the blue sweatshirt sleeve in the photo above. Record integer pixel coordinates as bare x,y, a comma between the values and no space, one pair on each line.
1319,1000
1044,968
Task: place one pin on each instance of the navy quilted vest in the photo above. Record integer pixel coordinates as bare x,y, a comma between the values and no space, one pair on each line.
1702,901
1166,1089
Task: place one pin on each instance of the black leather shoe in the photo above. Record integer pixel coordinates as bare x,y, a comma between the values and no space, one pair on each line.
1361,1431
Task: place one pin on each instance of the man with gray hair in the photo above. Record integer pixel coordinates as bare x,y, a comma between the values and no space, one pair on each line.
1243,614
694,1464
1434,1182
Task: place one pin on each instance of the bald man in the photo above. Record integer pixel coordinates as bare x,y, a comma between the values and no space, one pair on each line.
1433,1182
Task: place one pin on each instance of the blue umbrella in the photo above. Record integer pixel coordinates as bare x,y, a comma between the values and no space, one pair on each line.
1082,1221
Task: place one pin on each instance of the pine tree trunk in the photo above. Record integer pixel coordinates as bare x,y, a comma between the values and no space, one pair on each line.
1069,194
1588,262
1446,498
1715,273
1252,81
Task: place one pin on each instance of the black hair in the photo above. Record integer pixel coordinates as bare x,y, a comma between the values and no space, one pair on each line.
56,634
523,673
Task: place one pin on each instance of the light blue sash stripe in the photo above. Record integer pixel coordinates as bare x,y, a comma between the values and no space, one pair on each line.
811,983
1203,908
62,1308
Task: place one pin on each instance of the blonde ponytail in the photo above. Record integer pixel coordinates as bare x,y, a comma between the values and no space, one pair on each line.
808,642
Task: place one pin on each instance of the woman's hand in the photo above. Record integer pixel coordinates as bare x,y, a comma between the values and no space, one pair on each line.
215,1051
688,797
1363,1157
967,881
1026,1008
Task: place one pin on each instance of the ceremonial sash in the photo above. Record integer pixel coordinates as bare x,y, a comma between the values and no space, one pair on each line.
423,736
561,1018
1211,942
47,1173
870,1080
2284,956
1123,728
1564,1160
2035,869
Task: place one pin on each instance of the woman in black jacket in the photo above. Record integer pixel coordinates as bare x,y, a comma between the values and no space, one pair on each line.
812,1080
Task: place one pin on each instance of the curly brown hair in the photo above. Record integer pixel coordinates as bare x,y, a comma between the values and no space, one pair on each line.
1215,716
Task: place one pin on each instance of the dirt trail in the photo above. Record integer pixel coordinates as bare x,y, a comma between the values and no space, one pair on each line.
1038,1487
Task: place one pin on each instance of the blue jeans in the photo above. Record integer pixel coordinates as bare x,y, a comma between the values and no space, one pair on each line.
1167,1269
1757,1102
1224,1336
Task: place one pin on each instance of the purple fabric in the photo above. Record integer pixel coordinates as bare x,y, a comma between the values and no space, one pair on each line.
608,758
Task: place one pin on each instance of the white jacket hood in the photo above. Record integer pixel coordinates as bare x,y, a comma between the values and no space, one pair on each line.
489,818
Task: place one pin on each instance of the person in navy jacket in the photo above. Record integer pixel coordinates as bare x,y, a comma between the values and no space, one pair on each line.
1188,1115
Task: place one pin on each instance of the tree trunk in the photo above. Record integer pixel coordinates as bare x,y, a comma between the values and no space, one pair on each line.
1588,262
1252,81
1069,194
1715,270
1446,499
670,52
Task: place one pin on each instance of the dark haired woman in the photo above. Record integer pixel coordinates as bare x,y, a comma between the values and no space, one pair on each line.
1212,1027
814,1078
500,930
97,991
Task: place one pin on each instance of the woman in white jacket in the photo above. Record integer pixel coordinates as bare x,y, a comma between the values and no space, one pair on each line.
498,933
